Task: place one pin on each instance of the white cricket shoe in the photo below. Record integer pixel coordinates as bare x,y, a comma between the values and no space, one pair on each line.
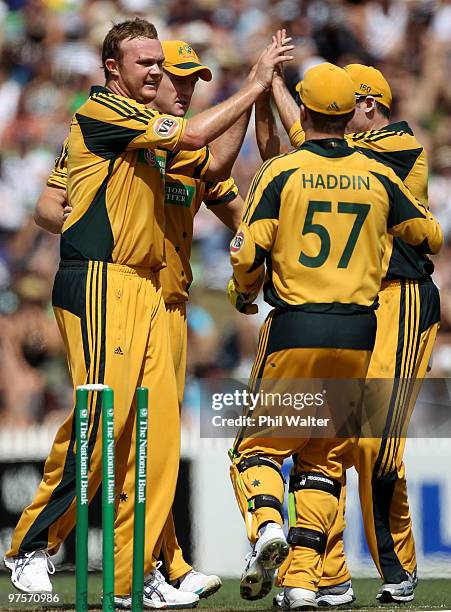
270,551
277,600
294,598
201,584
336,595
158,594
30,571
399,592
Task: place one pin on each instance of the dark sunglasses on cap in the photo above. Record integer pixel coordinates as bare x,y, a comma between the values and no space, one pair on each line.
361,97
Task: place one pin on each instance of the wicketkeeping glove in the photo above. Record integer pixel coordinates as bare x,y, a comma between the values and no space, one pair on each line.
241,301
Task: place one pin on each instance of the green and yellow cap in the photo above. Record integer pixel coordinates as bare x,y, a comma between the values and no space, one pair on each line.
327,89
369,81
181,59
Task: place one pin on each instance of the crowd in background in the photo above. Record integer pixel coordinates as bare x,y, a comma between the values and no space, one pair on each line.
49,57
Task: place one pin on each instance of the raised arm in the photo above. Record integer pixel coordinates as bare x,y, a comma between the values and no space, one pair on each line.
208,125
286,105
143,127
224,150
268,140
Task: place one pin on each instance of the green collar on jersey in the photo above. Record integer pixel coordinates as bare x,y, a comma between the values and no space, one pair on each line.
99,89
399,126
328,147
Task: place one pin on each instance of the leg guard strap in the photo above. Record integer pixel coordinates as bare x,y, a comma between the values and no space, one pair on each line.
300,536
314,480
265,501
258,460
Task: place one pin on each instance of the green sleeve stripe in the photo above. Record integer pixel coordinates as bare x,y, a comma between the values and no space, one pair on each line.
401,208
131,111
401,162
117,108
228,197
122,104
60,160
358,136
135,111
393,129
256,180
381,136
268,206
398,129
260,256
253,187
198,171
170,158
57,180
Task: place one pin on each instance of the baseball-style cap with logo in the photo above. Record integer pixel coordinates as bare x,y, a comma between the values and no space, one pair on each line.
327,89
181,59
369,81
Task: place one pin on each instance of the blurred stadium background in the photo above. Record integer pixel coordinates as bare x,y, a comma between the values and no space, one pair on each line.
49,56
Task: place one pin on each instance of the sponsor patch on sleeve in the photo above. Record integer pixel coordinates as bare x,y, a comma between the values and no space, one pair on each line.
165,126
237,242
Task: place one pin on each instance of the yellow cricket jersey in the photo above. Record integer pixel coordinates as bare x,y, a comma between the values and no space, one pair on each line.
319,217
184,194
395,146
58,176
116,163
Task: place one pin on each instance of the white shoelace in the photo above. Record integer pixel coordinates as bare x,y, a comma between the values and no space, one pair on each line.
154,578
250,555
158,576
24,560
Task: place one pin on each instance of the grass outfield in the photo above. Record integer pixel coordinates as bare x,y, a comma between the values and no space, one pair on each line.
430,595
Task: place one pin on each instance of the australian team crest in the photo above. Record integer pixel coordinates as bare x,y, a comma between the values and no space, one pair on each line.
185,50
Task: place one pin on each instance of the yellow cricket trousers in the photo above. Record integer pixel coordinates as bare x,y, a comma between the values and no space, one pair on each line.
407,324
113,322
298,345
175,564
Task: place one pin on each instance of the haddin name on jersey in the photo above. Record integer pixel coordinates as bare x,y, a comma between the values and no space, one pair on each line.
333,181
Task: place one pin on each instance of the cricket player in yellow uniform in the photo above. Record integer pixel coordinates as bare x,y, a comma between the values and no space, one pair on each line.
183,197
319,217
401,354
108,300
